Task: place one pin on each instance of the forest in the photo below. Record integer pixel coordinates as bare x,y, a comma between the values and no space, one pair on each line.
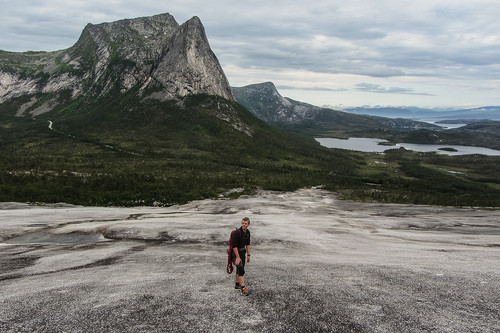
134,153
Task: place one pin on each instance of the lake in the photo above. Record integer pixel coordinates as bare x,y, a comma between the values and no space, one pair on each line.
372,145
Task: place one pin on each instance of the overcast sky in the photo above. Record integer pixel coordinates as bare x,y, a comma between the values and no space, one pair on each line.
358,52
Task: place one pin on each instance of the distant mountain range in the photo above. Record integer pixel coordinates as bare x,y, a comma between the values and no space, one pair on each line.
466,115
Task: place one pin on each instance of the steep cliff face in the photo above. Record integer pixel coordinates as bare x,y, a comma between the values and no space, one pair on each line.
155,55
188,65
264,100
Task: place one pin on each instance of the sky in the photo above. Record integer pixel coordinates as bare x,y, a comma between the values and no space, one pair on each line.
422,53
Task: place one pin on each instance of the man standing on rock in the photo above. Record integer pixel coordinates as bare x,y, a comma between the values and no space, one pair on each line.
241,246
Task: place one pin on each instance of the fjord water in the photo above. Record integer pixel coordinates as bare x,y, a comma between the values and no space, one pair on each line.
372,145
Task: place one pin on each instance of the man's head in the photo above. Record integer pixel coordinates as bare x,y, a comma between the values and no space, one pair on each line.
245,222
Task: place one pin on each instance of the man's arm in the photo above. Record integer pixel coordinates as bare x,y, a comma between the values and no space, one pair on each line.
237,254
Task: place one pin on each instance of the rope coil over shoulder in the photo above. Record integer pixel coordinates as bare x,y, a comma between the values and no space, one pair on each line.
229,268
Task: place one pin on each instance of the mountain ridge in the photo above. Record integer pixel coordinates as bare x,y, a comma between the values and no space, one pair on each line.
264,100
162,59
483,113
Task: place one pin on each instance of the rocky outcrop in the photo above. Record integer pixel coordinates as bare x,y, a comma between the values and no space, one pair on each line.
155,55
264,100
188,65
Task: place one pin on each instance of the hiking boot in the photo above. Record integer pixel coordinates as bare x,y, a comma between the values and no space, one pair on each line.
244,291
237,286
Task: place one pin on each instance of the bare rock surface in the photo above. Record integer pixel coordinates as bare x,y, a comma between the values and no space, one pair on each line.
318,265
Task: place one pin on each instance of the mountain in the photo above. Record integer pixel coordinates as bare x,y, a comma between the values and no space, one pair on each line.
266,103
139,111
155,55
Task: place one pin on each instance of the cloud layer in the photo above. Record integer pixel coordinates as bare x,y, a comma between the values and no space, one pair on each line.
445,52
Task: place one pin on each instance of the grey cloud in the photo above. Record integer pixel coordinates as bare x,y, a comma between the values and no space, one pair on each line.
376,88
278,35
285,87
297,54
366,53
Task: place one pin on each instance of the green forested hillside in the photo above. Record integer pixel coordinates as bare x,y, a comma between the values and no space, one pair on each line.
131,153
123,151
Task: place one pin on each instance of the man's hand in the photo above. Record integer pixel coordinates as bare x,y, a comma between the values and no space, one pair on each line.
237,262
248,258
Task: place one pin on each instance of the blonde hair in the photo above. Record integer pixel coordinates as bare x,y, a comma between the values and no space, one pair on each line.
246,219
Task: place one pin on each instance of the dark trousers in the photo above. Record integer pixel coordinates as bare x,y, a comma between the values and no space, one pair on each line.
240,269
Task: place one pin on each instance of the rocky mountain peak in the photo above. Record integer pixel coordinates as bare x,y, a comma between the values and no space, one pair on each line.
264,100
267,88
141,35
189,61
155,55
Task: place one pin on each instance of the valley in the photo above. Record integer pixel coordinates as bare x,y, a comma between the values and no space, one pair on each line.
122,120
